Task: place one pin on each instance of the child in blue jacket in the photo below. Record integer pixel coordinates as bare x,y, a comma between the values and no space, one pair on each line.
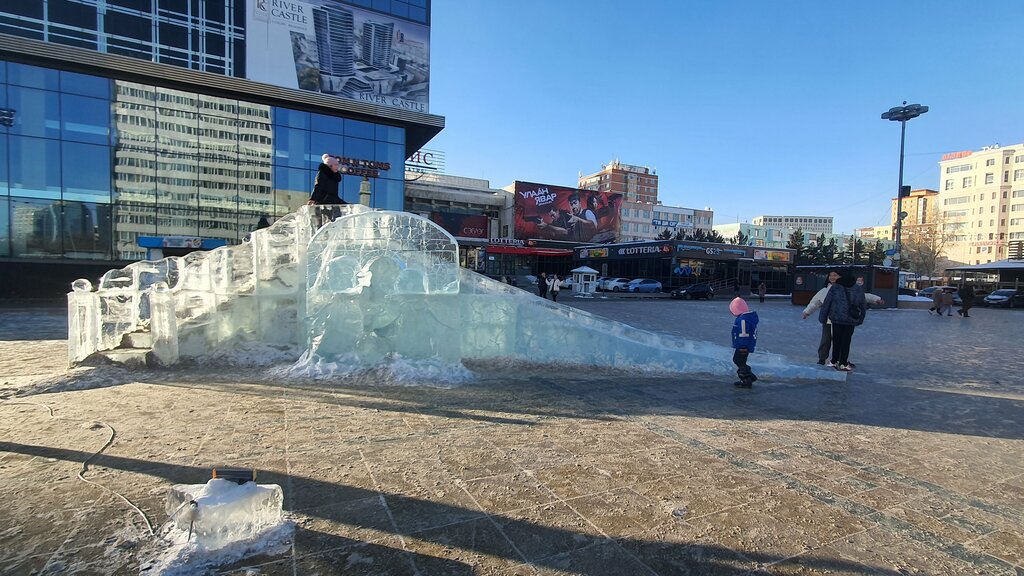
744,339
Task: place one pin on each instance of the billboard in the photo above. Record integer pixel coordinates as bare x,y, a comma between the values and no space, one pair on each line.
334,48
559,213
461,225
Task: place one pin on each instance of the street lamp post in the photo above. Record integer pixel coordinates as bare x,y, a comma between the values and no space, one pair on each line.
901,114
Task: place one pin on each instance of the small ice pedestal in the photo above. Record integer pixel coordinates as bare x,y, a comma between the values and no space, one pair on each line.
222,512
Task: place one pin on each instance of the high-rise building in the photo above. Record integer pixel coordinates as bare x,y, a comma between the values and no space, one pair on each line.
130,120
635,183
813,224
981,204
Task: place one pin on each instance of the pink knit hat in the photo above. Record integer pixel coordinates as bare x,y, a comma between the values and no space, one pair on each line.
738,306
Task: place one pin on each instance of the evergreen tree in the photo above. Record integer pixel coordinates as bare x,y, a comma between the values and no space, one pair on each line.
699,235
877,255
714,236
796,242
740,239
665,234
681,235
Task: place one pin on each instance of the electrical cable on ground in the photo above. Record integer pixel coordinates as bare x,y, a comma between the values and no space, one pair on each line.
85,465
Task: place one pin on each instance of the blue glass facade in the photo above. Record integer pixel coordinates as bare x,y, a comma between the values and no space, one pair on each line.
88,163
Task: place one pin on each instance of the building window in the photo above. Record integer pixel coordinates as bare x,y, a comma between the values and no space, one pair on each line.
1018,175
969,181
990,178
1019,158
990,162
949,184
958,168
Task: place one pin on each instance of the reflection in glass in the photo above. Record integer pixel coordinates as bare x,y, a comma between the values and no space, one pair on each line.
328,124
86,172
177,131
37,112
292,187
32,76
176,221
393,154
35,167
359,148
291,118
291,147
86,228
218,183
36,228
84,84
320,143
177,99
255,140
359,129
5,226
214,223
218,136
177,181
133,219
255,192
135,125
392,134
85,119
3,166
218,106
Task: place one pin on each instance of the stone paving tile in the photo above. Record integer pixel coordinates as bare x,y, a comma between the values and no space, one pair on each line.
547,530
1005,545
824,560
603,558
507,492
881,548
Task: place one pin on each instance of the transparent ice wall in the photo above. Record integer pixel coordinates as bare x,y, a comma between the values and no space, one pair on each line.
357,287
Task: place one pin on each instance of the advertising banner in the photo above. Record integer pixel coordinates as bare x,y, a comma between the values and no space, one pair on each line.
772,255
461,225
338,49
559,213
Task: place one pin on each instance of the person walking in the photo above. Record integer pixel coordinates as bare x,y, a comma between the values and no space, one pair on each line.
846,306
555,287
947,303
761,291
542,285
744,340
967,299
936,302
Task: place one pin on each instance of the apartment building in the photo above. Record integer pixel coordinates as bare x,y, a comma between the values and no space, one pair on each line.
981,204
643,217
814,224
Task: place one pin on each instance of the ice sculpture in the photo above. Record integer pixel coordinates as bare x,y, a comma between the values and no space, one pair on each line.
221,512
348,285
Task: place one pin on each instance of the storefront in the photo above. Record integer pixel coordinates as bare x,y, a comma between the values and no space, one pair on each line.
511,257
676,263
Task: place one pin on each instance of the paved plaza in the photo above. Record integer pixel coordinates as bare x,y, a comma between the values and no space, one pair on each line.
915,465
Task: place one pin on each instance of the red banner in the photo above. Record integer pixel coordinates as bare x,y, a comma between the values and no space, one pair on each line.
559,213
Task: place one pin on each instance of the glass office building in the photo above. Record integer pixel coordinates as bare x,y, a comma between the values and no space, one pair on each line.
98,149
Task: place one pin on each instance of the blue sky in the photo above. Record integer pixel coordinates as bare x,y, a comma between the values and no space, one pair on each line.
749,107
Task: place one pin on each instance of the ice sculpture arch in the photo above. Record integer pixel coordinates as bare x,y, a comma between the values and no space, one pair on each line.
348,285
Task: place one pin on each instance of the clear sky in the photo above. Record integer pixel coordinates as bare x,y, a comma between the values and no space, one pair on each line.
749,107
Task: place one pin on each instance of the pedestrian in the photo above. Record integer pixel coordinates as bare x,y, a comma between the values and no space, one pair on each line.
555,287
936,302
947,303
761,290
542,285
825,342
263,222
325,189
845,305
744,340
967,300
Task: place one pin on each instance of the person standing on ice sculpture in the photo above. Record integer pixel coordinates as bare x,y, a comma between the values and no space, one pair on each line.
744,340
328,178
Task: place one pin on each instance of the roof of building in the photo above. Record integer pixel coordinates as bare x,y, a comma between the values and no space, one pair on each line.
997,265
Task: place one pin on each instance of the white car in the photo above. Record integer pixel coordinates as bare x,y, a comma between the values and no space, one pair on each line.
616,284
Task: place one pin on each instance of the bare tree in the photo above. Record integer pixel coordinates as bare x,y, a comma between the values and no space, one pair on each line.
924,246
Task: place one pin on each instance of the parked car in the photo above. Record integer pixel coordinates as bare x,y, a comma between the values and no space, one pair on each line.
643,285
693,292
1006,298
930,291
616,284
600,283
907,292
566,282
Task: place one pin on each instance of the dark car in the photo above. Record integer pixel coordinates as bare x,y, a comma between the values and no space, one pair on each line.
693,292
907,292
1006,298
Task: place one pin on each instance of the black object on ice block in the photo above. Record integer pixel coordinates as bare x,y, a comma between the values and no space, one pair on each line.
236,475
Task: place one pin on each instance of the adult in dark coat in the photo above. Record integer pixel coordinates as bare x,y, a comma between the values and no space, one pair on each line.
967,296
325,188
843,296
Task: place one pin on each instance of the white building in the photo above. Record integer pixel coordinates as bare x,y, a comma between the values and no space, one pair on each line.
815,224
981,202
761,236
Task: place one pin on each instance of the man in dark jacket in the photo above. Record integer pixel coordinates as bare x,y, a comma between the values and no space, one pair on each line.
325,188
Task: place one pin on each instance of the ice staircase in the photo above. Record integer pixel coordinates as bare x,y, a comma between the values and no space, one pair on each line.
349,285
